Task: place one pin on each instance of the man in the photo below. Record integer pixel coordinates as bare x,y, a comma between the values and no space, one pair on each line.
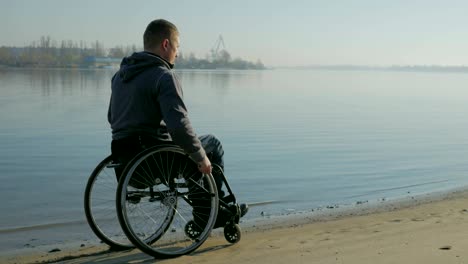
146,106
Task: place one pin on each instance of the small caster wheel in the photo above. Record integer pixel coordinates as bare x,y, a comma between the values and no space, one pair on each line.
191,230
232,233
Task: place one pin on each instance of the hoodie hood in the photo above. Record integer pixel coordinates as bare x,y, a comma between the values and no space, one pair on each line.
138,62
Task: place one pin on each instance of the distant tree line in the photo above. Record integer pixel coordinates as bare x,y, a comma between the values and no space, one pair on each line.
50,53
68,53
222,60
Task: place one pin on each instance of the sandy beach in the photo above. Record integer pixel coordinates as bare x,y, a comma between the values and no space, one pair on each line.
430,230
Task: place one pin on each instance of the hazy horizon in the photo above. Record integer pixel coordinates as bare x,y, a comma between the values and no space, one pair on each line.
301,33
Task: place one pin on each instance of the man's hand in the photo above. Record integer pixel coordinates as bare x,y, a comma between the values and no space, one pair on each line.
205,166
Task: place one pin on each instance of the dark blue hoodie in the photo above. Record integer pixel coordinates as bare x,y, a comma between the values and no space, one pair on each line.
147,100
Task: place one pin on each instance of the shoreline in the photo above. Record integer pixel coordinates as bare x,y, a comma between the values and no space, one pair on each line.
415,211
330,209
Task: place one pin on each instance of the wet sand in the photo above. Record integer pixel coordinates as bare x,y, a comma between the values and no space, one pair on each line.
420,230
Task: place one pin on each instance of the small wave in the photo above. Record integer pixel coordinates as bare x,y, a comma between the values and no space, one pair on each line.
41,226
396,188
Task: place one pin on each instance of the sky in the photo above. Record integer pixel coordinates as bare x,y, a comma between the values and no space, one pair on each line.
279,33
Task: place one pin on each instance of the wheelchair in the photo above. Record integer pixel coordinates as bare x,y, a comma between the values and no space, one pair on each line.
164,205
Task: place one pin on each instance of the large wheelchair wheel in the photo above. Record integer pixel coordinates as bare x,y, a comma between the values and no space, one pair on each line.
165,206
99,206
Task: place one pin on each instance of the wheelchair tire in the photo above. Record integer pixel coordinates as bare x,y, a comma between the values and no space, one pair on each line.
160,192
99,206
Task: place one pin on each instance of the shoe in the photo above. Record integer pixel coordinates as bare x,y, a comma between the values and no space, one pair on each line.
244,208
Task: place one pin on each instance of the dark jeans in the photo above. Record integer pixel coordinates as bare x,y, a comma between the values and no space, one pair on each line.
123,150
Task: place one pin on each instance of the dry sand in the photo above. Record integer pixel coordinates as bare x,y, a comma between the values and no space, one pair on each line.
430,231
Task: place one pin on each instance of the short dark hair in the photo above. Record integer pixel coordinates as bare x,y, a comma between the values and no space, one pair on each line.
157,31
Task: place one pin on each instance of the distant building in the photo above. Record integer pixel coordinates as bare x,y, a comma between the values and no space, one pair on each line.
101,62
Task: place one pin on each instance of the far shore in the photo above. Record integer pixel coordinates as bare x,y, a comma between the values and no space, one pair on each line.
399,68
427,229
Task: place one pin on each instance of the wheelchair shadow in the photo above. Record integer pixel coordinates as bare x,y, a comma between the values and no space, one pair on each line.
209,249
131,256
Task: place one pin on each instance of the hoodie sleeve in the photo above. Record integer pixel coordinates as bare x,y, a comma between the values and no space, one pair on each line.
109,115
175,116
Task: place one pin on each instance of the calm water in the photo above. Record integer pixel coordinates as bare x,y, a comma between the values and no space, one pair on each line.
304,138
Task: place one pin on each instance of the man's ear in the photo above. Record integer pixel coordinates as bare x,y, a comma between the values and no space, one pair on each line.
165,44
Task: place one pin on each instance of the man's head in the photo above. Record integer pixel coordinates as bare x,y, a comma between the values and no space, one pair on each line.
161,37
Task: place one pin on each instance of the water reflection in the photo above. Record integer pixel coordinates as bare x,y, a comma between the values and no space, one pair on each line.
69,82
220,82
66,82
